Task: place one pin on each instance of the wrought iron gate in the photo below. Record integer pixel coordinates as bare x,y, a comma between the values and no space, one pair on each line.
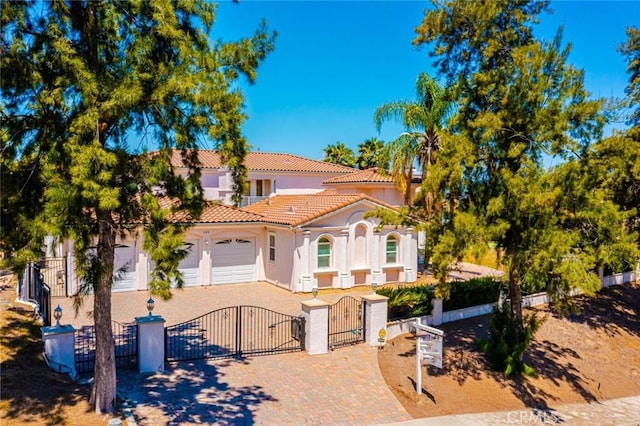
234,331
54,273
125,340
346,322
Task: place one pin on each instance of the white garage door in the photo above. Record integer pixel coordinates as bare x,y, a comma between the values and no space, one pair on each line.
124,268
234,261
190,265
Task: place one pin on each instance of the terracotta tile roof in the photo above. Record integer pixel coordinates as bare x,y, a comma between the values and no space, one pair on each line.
361,176
220,213
265,161
299,209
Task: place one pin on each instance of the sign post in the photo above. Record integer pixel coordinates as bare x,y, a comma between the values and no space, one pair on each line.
428,349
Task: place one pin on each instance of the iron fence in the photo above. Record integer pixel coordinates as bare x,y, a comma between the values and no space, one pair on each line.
125,342
54,273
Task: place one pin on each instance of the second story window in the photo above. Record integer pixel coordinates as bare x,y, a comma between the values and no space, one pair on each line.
324,253
272,247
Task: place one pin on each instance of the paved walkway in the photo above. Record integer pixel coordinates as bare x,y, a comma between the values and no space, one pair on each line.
343,387
618,412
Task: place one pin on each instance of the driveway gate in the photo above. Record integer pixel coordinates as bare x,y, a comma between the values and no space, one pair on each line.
346,322
125,340
234,331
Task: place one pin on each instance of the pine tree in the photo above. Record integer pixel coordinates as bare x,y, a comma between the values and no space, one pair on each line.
82,83
518,100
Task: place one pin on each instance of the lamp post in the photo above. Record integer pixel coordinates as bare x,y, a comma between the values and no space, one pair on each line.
150,305
57,314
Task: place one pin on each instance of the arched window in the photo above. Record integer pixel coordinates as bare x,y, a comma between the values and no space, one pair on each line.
392,249
324,252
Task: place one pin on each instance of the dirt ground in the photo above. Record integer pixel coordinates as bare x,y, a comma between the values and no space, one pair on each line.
31,392
588,357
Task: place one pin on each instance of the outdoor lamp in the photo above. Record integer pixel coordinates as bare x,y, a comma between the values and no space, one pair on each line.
57,314
314,291
150,305
374,287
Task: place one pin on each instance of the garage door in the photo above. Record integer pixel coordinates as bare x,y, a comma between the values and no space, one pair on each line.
234,261
124,268
190,265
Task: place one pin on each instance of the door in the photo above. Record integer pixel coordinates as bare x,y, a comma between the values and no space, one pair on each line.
233,260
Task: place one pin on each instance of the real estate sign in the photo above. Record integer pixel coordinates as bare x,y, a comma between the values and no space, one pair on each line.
428,349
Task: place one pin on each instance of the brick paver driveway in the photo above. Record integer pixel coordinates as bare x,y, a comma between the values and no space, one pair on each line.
188,303
342,387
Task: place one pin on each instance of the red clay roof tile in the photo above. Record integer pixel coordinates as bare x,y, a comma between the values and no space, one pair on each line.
298,209
265,161
361,176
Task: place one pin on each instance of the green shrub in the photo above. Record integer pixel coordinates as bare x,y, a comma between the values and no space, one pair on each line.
407,302
476,291
503,348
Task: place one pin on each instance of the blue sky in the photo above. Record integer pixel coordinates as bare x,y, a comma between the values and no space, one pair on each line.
334,62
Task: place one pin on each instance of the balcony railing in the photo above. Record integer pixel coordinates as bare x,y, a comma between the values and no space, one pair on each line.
251,199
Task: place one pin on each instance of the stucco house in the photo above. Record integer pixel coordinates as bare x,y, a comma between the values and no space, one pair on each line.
302,225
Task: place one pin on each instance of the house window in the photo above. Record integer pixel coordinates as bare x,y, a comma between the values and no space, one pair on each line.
272,247
259,188
392,249
324,253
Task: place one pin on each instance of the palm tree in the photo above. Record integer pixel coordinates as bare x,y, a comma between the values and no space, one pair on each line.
423,119
372,154
339,154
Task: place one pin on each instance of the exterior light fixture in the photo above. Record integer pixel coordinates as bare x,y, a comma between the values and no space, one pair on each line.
150,305
314,291
57,314
374,287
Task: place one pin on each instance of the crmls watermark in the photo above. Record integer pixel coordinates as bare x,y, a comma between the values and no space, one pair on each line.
535,416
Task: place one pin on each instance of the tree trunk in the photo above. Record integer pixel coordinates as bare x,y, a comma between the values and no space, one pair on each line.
103,395
515,294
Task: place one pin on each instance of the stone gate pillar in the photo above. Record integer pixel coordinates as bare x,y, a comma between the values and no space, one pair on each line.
375,319
316,326
150,343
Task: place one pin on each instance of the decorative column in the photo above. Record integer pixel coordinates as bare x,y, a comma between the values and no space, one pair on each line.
306,274
316,326
375,319
345,277
410,258
150,343
376,277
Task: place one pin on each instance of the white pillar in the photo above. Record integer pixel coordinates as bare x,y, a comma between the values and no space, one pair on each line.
59,348
306,274
205,261
316,326
410,258
436,312
345,276
375,319
142,266
376,276
150,343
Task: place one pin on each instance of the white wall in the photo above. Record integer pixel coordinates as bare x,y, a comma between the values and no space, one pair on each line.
280,272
